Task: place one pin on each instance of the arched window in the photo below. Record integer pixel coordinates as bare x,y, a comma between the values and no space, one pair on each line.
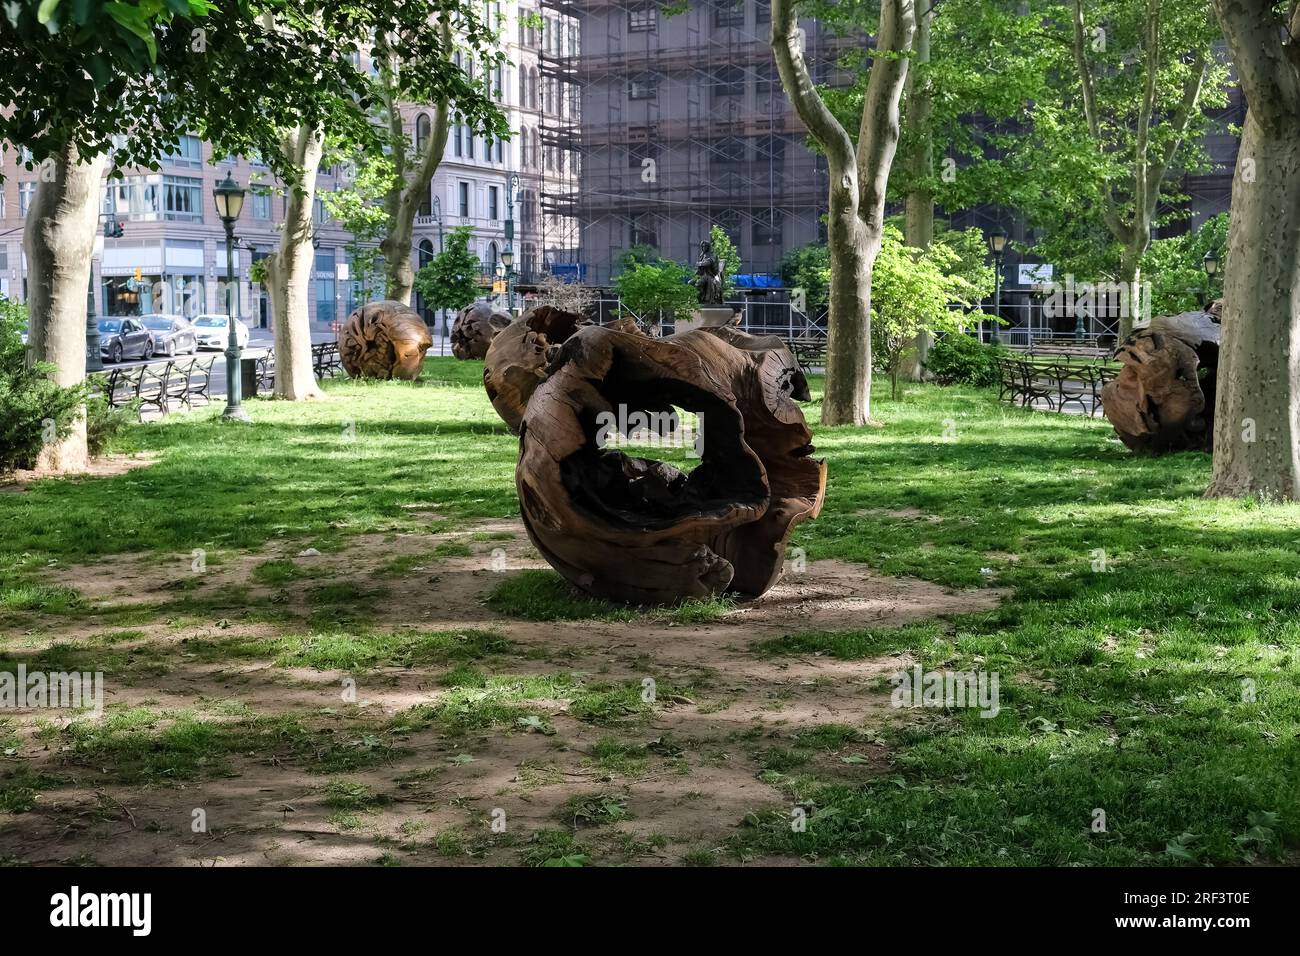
523,86
425,252
536,161
532,88
423,130
492,258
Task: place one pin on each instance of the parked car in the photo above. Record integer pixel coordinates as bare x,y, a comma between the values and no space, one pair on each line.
124,338
172,334
213,331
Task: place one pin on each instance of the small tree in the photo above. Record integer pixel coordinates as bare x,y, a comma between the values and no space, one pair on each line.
911,293
657,289
808,269
358,208
450,279
728,256
1174,266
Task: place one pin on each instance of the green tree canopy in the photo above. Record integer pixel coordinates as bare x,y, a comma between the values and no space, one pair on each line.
450,279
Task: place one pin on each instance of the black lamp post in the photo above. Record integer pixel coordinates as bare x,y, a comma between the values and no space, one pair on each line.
508,257
229,197
508,261
997,246
437,217
1211,266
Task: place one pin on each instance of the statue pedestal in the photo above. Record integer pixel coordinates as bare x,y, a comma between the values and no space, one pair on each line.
709,316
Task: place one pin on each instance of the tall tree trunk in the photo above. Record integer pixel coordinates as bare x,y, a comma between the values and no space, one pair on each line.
852,255
412,180
859,176
918,218
288,272
1130,275
1257,416
59,239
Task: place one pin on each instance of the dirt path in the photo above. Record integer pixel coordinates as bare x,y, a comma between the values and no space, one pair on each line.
337,782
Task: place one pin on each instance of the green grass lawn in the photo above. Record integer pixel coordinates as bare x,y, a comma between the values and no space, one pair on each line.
1147,647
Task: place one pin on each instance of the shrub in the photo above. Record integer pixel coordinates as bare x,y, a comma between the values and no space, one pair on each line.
33,410
106,424
958,359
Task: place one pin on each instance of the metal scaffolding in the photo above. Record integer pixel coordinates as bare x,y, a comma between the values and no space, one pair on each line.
683,125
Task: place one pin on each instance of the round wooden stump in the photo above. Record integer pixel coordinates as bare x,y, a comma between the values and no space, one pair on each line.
474,329
644,531
1163,398
384,340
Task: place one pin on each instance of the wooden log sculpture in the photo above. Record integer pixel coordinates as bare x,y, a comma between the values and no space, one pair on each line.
1163,398
384,340
640,530
516,361
475,328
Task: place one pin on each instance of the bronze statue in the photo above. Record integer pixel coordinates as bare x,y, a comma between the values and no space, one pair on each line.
708,276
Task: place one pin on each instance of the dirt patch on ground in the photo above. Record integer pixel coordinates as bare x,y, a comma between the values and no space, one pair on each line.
644,741
107,466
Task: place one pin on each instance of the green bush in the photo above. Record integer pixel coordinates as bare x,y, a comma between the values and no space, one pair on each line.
104,423
958,359
33,410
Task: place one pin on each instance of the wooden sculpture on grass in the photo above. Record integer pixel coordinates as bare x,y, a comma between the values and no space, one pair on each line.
384,340
1163,398
643,531
474,329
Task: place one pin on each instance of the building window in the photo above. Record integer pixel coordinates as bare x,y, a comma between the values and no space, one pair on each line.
462,191
532,88
423,130
644,19
770,147
501,151
182,198
728,81
455,135
188,152
25,193
425,252
318,215
638,153
326,309
643,86
469,142
768,80
729,13
730,149
494,195
729,221
642,232
325,261
261,205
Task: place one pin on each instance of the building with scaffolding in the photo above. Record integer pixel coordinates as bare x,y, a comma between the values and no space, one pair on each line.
683,124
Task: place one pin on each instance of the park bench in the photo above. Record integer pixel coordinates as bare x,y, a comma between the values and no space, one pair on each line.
160,384
809,350
1058,384
326,360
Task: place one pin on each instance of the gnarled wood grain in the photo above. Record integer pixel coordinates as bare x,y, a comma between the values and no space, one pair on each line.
643,531
384,340
474,329
1163,399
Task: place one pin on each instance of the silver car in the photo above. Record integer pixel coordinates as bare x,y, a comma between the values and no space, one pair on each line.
172,334
124,338
213,332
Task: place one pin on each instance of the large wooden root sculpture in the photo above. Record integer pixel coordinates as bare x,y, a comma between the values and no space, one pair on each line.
384,340
474,329
517,359
642,531
1163,398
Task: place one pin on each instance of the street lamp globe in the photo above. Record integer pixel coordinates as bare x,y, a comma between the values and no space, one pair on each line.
508,257
1211,263
997,242
229,197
